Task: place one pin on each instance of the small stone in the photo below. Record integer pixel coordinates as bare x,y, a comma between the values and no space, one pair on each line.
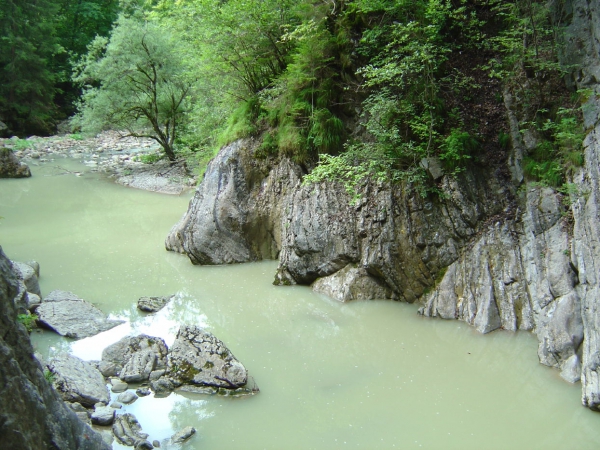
143,391
162,387
127,397
156,374
104,415
156,444
118,385
143,444
116,405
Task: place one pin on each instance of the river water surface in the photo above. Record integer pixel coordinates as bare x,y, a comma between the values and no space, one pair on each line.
367,374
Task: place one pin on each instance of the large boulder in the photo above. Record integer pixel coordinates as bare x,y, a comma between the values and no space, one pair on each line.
10,166
73,318
235,215
134,358
197,357
78,381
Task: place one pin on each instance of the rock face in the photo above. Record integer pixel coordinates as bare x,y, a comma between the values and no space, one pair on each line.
78,381
235,214
10,166
73,318
134,358
495,252
197,357
32,413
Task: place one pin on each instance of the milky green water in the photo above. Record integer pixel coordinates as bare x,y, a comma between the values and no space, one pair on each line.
370,375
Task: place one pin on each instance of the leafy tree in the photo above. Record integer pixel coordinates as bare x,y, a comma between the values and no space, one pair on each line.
28,43
134,81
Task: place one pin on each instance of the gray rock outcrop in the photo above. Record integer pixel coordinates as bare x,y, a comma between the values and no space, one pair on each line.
493,251
74,318
235,213
32,416
78,381
10,166
197,357
134,358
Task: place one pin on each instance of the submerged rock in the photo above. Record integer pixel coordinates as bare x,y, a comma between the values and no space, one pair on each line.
152,304
74,318
183,435
10,166
78,381
128,430
134,358
197,357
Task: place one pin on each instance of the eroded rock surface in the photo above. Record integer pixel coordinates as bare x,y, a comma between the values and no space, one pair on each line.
134,358
10,166
152,304
78,381
235,213
74,318
197,357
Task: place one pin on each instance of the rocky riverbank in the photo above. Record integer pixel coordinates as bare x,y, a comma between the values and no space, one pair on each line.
497,253
121,158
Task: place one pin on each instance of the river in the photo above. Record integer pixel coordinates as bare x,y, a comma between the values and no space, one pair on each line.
367,374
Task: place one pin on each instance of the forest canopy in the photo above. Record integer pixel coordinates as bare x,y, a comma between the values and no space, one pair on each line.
348,89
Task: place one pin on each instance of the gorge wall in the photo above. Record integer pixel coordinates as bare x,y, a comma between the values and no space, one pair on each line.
32,414
493,252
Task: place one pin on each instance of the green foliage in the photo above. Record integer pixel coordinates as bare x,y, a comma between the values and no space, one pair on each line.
49,376
134,81
529,43
28,44
242,122
456,148
149,158
28,320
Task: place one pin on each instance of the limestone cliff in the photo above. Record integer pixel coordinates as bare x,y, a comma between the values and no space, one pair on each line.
32,415
497,253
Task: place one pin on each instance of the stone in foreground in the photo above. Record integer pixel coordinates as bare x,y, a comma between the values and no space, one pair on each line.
78,381
199,358
74,318
134,358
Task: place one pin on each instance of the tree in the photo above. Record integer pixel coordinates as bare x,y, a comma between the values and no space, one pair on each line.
134,81
28,43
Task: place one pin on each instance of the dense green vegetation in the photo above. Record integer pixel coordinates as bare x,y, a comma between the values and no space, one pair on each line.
349,89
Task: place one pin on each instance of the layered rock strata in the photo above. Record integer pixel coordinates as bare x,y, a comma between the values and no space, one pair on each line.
497,254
